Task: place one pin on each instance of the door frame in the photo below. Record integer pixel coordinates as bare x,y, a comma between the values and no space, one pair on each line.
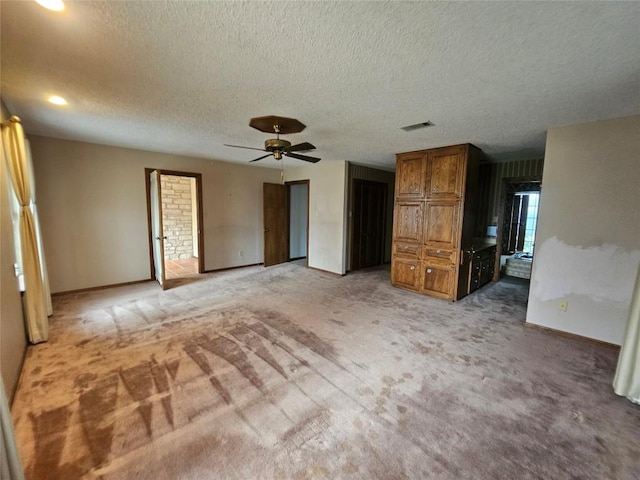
288,184
157,228
200,216
506,182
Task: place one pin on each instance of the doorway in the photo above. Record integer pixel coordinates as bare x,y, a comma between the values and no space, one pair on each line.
286,222
517,224
298,221
369,214
174,209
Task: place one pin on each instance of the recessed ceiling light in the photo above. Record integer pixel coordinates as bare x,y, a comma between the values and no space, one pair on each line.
56,100
55,5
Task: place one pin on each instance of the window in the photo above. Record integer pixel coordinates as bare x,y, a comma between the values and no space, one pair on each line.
531,221
523,220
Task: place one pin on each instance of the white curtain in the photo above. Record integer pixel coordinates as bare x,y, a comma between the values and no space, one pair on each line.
627,380
35,303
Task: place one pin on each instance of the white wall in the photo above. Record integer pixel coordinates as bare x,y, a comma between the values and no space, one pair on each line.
327,213
588,236
298,209
13,339
93,211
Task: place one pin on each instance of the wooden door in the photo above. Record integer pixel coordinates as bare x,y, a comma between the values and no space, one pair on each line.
276,224
157,233
442,224
411,172
438,280
407,222
445,172
369,202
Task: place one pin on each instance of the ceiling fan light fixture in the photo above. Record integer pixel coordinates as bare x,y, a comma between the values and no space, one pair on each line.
278,147
417,126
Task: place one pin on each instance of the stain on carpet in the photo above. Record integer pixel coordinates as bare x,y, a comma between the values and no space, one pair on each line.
255,344
96,407
232,353
305,337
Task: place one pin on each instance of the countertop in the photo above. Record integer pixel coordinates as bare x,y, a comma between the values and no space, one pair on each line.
480,244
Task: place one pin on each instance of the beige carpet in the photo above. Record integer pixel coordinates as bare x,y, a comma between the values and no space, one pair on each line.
291,373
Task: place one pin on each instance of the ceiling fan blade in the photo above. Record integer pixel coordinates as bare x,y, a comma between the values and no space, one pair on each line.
260,158
248,148
302,157
300,147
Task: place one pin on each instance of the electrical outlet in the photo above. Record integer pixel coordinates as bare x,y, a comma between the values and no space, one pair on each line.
562,305
241,253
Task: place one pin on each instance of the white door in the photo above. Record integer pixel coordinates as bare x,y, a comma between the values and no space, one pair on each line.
156,229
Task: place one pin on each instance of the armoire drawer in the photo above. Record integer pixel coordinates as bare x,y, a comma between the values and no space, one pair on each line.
407,249
444,254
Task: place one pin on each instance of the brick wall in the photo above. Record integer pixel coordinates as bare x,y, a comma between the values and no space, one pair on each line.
176,217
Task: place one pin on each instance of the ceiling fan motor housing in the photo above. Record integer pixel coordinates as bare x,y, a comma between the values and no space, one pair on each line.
276,144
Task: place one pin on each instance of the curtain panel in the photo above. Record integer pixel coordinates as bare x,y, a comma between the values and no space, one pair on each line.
35,303
36,219
627,380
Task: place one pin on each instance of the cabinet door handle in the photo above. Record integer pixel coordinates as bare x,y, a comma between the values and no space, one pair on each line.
412,267
428,270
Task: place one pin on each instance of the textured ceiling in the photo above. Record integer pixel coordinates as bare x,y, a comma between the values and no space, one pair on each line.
186,77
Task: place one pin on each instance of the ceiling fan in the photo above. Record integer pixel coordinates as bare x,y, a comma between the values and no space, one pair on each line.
276,146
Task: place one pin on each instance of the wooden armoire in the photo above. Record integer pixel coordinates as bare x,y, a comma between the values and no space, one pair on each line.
434,220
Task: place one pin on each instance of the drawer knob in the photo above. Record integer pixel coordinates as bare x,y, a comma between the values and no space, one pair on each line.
438,251
413,267
428,270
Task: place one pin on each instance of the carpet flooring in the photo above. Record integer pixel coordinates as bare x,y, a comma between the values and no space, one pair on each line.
291,373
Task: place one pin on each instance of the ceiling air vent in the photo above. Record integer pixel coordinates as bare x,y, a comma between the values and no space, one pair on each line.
417,126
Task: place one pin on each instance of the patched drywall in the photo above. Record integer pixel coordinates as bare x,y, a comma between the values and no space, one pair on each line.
588,235
596,272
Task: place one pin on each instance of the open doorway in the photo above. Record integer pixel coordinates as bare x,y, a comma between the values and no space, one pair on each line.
517,227
180,225
369,202
298,221
174,207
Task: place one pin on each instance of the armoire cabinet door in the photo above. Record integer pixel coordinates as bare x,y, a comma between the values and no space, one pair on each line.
411,172
405,272
441,224
407,221
445,171
437,280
